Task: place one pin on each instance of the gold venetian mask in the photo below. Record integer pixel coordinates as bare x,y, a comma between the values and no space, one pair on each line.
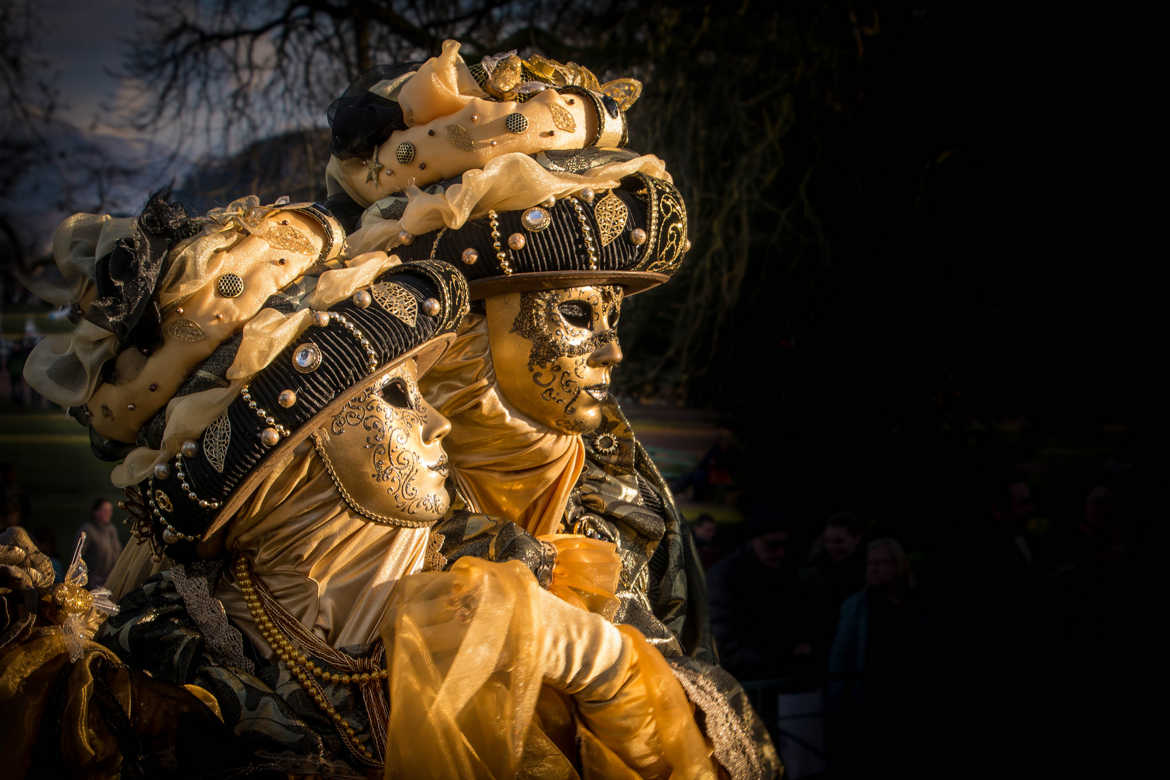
384,451
554,350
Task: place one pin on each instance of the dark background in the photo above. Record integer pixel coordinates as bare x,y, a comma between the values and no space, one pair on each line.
906,286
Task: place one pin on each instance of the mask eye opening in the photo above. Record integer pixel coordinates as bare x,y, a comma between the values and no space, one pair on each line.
396,393
577,313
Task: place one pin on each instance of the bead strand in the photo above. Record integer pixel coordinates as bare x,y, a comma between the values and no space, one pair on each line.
501,255
301,667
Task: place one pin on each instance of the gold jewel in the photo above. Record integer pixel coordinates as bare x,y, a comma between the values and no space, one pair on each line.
405,237
516,122
396,300
229,286
362,299
431,307
611,214
189,449
638,236
536,219
162,471
470,256
306,358
287,398
516,242
405,152
587,195
215,442
163,501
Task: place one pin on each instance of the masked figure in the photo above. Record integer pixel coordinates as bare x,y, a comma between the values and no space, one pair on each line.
513,171
285,475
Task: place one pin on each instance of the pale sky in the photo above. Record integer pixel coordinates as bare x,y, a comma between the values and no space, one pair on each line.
85,39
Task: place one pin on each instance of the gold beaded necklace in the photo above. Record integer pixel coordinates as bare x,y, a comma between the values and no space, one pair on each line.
305,669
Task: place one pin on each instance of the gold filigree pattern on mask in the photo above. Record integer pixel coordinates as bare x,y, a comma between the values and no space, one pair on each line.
460,137
374,454
396,300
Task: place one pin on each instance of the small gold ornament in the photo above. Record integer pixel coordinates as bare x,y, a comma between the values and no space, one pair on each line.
431,307
562,118
470,256
516,242
362,299
404,153
215,442
229,286
269,437
189,449
398,301
306,358
535,219
287,398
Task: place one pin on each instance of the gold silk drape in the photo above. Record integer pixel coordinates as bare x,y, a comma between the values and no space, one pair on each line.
506,465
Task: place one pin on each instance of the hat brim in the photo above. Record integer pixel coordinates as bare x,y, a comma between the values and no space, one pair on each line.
634,282
426,355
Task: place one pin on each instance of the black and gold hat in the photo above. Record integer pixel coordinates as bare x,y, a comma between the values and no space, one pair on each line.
410,311
206,347
514,170
634,235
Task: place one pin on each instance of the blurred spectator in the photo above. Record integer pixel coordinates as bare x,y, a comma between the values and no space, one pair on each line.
759,608
708,540
837,570
714,479
103,546
875,666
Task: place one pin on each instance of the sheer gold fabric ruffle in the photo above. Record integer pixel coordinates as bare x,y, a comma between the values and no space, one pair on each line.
468,653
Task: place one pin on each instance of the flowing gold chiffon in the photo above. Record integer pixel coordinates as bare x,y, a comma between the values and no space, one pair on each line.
468,653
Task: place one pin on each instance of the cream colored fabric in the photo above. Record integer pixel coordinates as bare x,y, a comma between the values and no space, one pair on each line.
506,183
134,566
506,464
264,337
334,570
66,367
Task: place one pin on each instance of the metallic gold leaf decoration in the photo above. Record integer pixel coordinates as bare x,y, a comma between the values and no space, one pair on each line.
395,299
625,91
183,329
215,442
611,214
505,76
288,238
562,118
460,138
163,501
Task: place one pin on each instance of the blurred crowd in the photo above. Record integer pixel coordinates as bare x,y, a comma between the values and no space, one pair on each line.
856,640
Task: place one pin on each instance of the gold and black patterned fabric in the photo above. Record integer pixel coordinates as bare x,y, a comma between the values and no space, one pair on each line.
634,235
416,303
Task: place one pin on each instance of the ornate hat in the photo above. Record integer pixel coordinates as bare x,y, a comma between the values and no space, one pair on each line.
225,339
511,169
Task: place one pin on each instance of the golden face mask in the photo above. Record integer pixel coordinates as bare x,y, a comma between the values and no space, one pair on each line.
384,451
554,350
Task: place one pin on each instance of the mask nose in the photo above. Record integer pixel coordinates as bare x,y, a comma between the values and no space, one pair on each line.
436,427
607,355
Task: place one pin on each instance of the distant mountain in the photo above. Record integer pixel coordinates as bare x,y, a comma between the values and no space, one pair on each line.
81,171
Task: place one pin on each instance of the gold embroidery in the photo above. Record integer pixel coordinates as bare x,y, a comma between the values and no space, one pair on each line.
183,329
163,501
215,442
395,299
460,138
611,215
562,118
289,238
